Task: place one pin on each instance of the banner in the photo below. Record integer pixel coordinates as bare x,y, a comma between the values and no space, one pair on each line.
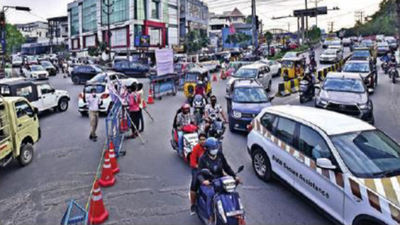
164,61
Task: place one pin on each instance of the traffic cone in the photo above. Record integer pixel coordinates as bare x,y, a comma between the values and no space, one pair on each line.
124,124
150,100
144,104
107,175
223,75
215,77
97,212
113,160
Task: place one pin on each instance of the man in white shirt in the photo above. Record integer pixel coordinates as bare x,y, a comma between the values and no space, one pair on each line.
93,103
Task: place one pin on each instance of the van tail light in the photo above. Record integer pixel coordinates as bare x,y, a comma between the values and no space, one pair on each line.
81,96
249,127
104,96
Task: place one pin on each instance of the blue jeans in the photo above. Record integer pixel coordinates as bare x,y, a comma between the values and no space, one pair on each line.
180,142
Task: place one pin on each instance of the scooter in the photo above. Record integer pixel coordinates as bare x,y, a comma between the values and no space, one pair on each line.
384,67
219,203
393,74
217,127
199,104
306,94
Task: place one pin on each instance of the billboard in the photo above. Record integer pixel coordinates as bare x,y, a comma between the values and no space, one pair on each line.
142,41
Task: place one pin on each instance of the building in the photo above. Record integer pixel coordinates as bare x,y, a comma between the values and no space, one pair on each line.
58,29
88,22
34,32
193,16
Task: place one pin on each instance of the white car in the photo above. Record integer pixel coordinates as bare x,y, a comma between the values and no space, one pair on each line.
36,71
101,91
259,72
346,167
112,76
330,56
16,61
273,65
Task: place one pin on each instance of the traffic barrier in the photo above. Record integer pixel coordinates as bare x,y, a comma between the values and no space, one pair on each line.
150,99
113,159
107,175
295,85
97,212
74,214
282,91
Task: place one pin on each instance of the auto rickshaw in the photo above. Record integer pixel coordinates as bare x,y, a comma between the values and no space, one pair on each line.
289,66
192,79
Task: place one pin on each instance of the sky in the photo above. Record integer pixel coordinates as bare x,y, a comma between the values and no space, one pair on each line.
266,9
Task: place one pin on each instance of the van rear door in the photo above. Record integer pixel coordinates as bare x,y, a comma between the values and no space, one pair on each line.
26,121
5,138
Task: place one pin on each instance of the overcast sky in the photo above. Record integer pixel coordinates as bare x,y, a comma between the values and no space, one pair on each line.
266,9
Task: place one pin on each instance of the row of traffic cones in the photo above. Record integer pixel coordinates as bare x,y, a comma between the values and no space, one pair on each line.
97,212
222,76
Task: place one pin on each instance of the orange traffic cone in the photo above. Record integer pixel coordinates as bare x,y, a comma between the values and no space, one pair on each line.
215,77
223,75
113,160
107,175
97,212
144,104
150,100
124,124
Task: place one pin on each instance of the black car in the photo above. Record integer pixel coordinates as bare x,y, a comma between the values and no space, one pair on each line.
50,68
131,69
366,69
83,73
345,93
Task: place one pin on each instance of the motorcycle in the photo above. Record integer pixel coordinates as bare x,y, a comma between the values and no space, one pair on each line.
219,203
385,67
190,139
217,127
393,74
199,104
306,94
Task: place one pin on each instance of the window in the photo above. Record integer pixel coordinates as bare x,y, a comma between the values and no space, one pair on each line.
75,43
119,37
267,121
45,88
120,11
75,20
90,41
140,10
155,9
285,130
4,126
25,92
22,109
89,15
155,36
138,30
312,144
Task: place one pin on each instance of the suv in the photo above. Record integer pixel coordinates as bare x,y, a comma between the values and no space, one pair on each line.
82,73
39,93
345,93
245,100
35,71
346,167
102,91
19,130
367,71
259,72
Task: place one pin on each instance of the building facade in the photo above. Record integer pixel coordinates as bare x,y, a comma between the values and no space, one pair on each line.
58,29
34,32
88,23
193,16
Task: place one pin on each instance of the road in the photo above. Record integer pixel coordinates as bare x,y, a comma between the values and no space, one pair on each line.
152,187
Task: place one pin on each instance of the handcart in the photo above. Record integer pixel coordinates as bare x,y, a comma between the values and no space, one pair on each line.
164,85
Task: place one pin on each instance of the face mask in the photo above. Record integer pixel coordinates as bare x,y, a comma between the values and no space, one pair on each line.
213,152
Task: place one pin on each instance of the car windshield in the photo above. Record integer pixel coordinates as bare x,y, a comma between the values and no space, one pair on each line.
330,52
245,73
45,63
356,67
343,85
336,43
290,55
383,44
37,68
369,154
367,42
249,95
391,41
99,88
99,78
288,64
361,53
98,69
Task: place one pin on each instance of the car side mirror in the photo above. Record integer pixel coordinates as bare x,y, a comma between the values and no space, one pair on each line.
325,163
35,110
52,91
241,168
370,90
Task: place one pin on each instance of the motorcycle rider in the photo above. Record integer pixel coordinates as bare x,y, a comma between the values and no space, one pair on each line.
215,161
197,152
310,78
184,118
213,108
393,64
312,52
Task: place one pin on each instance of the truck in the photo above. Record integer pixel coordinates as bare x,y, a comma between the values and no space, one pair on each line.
19,130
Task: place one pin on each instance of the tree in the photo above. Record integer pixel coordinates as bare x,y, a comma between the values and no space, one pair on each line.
14,39
195,40
94,51
268,37
249,19
238,38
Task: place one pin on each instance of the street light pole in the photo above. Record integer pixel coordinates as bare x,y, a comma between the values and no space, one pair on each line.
108,13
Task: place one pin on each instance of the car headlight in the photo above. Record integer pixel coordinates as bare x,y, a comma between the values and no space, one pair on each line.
365,106
322,102
237,114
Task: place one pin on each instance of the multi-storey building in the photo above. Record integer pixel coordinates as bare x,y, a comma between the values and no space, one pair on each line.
88,23
34,32
193,16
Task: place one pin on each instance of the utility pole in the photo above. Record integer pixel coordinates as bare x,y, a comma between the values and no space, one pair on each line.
253,23
359,15
306,17
108,12
316,6
398,14
330,26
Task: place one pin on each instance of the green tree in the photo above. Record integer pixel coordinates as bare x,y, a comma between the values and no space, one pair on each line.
249,19
14,39
238,38
94,51
195,40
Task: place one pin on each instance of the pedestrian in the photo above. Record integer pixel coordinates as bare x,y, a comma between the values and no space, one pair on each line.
141,105
93,102
134,109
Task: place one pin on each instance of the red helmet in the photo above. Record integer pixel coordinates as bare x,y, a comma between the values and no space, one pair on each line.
186,106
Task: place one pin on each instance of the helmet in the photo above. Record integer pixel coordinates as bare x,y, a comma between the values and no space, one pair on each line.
211,144
186,108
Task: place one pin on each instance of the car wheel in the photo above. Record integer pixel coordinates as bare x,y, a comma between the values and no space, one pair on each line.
83,113
76,80
269,86
262,165
26,154
62,104
232,126
279,72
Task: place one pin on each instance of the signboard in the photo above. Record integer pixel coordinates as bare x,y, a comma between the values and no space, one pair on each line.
178,48
142,41
164,61
2,43
311,12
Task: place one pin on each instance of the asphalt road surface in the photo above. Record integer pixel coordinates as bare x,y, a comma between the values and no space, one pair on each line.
152,187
